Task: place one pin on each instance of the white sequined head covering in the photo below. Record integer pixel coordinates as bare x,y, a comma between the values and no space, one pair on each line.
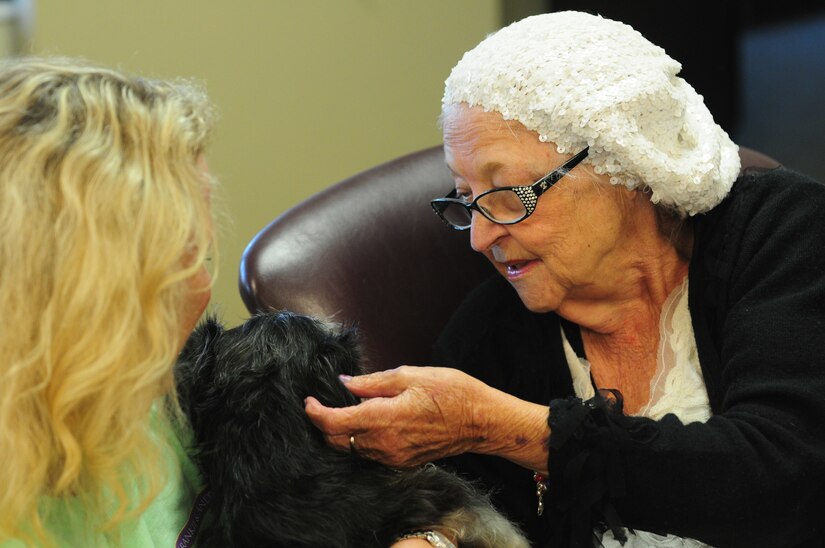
582,80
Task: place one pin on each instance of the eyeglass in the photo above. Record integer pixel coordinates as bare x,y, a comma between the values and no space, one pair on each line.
506,205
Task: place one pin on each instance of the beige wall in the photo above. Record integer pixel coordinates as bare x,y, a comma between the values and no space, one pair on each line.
310,91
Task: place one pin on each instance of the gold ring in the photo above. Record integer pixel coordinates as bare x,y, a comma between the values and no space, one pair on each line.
352,444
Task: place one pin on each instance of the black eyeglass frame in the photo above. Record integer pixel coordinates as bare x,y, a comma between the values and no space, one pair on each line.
527,194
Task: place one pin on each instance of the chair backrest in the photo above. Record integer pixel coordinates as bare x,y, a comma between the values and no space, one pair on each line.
370,251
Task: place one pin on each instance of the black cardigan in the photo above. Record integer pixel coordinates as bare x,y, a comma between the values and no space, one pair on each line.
754,474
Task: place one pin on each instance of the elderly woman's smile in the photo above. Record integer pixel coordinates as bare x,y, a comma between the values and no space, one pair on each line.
515,268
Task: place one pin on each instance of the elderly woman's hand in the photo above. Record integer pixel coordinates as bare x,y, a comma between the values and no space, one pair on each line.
413,415
410,415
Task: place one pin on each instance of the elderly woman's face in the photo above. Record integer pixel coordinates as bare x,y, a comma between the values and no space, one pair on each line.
563,250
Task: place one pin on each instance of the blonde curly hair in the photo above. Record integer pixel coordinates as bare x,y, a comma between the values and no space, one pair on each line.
104,216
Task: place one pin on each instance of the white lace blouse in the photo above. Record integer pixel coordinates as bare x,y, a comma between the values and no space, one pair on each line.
677,387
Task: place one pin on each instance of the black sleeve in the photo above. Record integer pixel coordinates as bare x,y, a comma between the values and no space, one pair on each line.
486,339
754,474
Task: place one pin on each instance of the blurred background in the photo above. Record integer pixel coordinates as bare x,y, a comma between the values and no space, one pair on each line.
314,91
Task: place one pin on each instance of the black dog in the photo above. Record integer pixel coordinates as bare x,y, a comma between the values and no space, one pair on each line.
273,480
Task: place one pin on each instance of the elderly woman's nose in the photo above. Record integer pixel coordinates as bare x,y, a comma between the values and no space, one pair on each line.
484,233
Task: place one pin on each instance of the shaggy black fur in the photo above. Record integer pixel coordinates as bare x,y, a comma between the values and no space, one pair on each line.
274,482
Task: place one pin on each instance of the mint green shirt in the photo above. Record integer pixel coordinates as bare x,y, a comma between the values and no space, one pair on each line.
158,526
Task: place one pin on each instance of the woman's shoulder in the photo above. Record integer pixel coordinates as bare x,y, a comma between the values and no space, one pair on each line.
767,238
769,191
764,205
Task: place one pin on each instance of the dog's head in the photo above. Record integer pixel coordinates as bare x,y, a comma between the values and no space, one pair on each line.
261,371
243,391
247,385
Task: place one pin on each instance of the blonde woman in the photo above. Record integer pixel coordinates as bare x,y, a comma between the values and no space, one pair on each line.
105,230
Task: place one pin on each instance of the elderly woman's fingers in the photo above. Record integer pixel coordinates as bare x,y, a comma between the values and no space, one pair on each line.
381,384
338,423
332,421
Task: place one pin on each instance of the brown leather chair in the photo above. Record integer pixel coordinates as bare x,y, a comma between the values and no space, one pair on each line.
370,251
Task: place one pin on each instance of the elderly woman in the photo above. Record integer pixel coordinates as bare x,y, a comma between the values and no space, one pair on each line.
658,368
106,230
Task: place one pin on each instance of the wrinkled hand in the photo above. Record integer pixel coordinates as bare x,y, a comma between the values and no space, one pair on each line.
411,415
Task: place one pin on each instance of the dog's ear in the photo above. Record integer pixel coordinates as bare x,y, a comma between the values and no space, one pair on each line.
196,361
350,342
199,344
339,354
